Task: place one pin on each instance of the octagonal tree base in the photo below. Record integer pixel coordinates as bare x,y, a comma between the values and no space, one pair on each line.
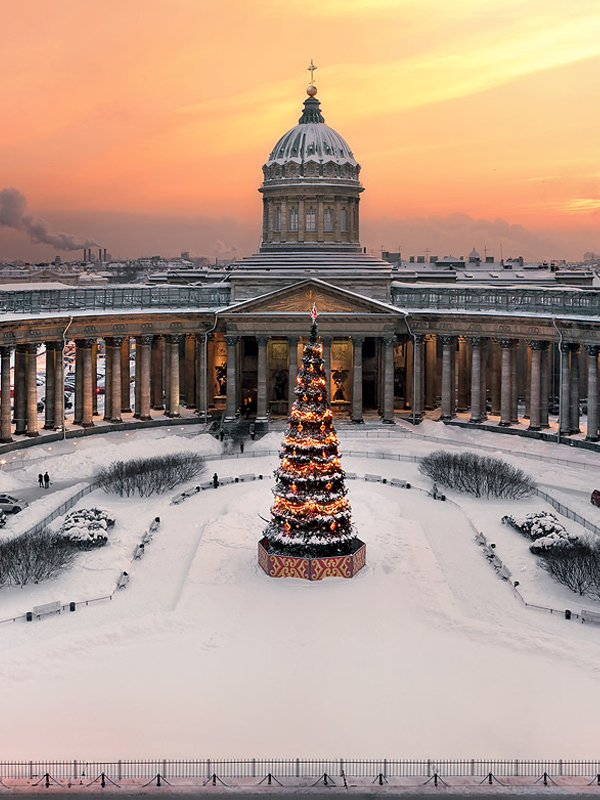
312,569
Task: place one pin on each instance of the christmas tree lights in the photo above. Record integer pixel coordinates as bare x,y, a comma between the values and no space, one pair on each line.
310,515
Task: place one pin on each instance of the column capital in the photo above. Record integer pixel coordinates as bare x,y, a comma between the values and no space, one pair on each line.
21,347
592,349
31,347
358,341
476,341
419,338
447,340
508,343
231,340
535,344
86,344
388,340
293,340
114,341
564,347
173,338
574,347
145,339
6,349
262,340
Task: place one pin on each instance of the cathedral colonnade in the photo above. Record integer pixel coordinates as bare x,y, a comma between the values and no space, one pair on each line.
499,380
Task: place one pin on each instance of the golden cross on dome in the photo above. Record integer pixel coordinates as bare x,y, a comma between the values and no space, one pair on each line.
311,69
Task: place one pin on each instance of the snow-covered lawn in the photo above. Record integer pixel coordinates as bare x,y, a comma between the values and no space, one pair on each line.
425,653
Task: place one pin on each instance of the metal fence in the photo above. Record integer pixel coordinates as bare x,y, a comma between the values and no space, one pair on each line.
117,298
545,301
203,769
567,512
62,509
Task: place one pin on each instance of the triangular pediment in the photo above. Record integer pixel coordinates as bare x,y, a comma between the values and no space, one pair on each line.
300,298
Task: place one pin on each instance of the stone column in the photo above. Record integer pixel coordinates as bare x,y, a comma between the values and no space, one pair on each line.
108,363
430,371
528,382
87,398
172,409
5,410
114,346
463,384
357,379
320,223
20,399
292,369
565,391
32,401
592,393
156,378
78,394
409,361
484,378
337,227
535,384
418,390
202,374
142,374
49,396
261,387
514,396
95,377
137,385
476,394
326,342
544,383
507,347
574,386
231,400
59,385
388,379
189,370
125,377
448,389
495,377
301,219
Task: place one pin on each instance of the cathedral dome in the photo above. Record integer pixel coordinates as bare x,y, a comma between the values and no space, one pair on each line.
311,149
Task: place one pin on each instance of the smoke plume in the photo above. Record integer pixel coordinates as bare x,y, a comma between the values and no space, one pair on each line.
14,214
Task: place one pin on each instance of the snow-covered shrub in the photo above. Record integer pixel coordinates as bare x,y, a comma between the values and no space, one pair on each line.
86,528
536,524
481,476
147,476
32,557
576,567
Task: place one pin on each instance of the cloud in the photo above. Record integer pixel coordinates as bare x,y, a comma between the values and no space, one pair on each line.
14,214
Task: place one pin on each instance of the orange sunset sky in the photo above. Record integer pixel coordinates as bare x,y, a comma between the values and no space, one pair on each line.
143,124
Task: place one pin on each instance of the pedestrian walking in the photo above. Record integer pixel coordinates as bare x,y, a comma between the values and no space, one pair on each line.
41,481
241,447
215,481
46,480
252,431
222,435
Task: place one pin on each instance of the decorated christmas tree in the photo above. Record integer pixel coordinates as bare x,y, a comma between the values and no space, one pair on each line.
310,516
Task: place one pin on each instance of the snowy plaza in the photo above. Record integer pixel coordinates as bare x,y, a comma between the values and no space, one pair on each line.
425,653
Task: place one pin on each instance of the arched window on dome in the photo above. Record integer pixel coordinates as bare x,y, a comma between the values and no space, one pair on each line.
293,219
311,219
277,219
344,220
328,219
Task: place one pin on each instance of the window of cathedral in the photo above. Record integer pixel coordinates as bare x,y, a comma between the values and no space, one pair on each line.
328,219
277,171
311,219
293,219
293,169
344,220
310,170
329,170
277,219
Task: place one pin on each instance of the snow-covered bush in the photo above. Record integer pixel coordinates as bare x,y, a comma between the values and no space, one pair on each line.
536,524
481,476
86,528
147,476
32,557
576,567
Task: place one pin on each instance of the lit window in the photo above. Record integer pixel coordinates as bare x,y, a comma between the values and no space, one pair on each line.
293,219
311,220
328,219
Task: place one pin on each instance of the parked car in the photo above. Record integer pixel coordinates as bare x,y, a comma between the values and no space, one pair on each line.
11,505
595,498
